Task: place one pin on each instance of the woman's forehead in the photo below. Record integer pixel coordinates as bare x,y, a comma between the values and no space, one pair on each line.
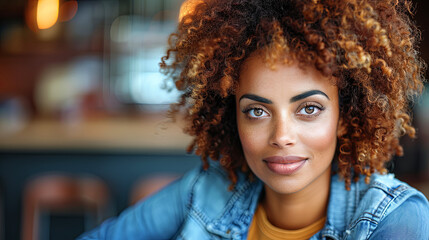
255,67
284,79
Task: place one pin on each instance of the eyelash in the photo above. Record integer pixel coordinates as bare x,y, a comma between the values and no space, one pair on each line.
312,115
319,107
247,110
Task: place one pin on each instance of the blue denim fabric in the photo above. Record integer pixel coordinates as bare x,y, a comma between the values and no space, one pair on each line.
199,206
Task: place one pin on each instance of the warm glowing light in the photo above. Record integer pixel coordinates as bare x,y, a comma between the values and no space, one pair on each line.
47,13
68,10
188,6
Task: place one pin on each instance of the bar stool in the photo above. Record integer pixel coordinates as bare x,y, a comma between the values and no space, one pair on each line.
62,193
150,185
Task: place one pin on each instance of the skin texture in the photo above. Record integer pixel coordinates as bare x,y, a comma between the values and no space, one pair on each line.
281,125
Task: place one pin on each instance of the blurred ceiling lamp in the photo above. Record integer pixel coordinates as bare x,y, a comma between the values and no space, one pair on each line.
43,14
188,7
47,13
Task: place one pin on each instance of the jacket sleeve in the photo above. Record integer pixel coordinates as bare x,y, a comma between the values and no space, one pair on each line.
157,217
408,221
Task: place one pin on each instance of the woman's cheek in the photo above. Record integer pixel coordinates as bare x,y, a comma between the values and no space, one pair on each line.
251,138
246,136
320,137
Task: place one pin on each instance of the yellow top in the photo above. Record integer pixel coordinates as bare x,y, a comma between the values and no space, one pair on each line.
261,229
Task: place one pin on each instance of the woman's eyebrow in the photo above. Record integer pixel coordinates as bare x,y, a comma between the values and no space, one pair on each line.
256,98
307,94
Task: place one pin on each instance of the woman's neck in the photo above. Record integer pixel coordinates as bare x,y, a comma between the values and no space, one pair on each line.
297,210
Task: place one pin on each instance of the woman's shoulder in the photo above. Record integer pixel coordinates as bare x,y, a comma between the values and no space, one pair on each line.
209,190
384,206
213,206
385,193
395,209
200,181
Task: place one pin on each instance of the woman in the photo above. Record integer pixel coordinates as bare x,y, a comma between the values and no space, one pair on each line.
299,105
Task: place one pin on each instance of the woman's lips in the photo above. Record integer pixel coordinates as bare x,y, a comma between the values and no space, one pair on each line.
285,165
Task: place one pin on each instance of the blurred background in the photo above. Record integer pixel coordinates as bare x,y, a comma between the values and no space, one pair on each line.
83,127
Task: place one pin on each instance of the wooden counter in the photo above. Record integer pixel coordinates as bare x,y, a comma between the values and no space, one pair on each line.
113,133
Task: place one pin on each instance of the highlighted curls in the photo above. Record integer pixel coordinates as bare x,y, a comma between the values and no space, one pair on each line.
369,47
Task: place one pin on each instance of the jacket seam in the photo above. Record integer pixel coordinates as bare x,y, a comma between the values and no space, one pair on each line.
406,196
189,200
391,194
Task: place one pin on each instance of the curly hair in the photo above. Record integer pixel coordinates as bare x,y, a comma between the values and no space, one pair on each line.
368,46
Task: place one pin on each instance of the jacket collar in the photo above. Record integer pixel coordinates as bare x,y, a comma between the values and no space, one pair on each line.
238,214
237,217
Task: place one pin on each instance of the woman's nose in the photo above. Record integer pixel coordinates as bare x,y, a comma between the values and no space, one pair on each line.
283,133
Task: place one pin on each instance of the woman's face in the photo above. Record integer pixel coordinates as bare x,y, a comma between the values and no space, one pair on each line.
287,122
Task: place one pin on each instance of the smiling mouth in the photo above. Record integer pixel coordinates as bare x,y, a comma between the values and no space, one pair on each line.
285,165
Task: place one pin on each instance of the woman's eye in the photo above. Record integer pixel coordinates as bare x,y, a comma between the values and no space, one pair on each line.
310,110
256,113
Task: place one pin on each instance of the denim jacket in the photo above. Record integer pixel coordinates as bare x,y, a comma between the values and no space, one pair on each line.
200,206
